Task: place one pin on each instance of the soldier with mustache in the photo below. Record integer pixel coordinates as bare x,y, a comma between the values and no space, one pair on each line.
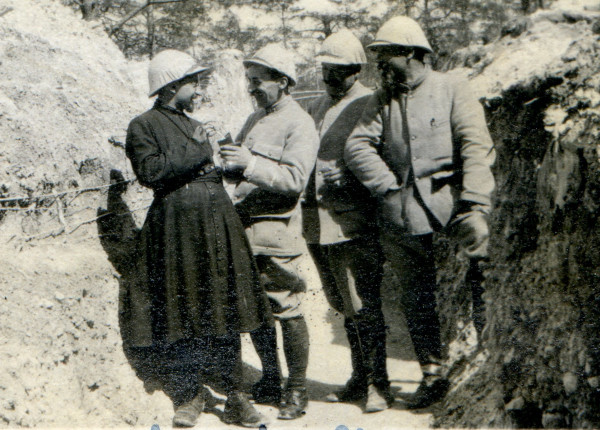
422,147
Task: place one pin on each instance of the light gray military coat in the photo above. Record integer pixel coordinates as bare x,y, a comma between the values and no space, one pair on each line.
439,153
284,143
337,212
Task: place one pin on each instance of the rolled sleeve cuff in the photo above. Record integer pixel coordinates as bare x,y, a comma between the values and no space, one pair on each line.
483,203
390,185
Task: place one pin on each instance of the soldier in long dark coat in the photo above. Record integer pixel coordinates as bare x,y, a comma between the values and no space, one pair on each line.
197,285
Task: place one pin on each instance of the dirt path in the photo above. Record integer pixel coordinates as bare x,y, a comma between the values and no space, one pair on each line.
63,365
329,368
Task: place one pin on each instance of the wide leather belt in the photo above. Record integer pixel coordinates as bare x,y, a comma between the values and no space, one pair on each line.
208,173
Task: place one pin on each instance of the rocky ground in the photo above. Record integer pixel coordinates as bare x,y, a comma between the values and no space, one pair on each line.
63,365
66,96
63,237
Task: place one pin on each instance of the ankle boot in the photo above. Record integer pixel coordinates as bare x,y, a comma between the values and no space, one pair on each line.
378,399
294,404
238,410
186,414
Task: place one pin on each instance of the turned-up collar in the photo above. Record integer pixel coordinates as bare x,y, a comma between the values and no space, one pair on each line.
160,105
355,89
407,87
279,104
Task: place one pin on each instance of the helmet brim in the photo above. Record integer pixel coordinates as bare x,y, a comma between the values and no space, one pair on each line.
258,62
375,45
332,59
195,70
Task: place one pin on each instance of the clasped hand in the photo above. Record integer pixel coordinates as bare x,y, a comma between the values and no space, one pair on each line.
333,175
235,157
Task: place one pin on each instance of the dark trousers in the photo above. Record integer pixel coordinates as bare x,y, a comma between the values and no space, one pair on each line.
412,260
351,274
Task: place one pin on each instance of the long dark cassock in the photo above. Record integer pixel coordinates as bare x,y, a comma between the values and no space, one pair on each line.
196,276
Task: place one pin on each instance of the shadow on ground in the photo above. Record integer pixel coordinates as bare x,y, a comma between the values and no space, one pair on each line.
118,234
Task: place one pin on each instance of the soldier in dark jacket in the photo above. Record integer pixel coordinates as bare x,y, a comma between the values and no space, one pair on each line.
198,286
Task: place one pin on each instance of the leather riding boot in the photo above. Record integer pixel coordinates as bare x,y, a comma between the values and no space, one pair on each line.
356,387
268,388
371,332
295,348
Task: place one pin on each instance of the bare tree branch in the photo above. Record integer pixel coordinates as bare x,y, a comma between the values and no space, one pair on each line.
5,11
138,10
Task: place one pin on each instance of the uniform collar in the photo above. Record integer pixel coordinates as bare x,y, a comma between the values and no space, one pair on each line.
354,90
285,100
160,105
410,86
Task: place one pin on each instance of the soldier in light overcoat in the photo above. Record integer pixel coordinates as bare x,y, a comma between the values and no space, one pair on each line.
422,147
340,224
273,163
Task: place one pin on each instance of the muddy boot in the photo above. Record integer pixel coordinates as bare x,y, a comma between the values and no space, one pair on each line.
268,389
432,389
356,387
295,347
186,414
238,410
294,404
378,398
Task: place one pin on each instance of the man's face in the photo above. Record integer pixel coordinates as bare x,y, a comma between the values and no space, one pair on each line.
188,90
393,64
261,85
338,79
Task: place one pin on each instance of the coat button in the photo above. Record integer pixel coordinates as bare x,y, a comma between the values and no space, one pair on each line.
413,137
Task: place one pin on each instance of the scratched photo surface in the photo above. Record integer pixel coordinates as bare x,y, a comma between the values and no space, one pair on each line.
519,328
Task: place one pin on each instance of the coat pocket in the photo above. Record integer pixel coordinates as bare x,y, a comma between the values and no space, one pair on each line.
272,152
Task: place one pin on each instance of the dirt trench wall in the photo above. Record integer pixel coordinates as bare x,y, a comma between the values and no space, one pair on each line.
67,95
540,366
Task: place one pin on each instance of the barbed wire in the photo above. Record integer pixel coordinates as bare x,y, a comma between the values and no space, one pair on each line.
58,194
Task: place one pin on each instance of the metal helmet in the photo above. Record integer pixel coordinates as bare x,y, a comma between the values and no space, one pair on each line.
402,31
169,66
342,48
275,57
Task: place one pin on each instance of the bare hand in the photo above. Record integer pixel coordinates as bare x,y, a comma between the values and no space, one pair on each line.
235,157
473,234
333,175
